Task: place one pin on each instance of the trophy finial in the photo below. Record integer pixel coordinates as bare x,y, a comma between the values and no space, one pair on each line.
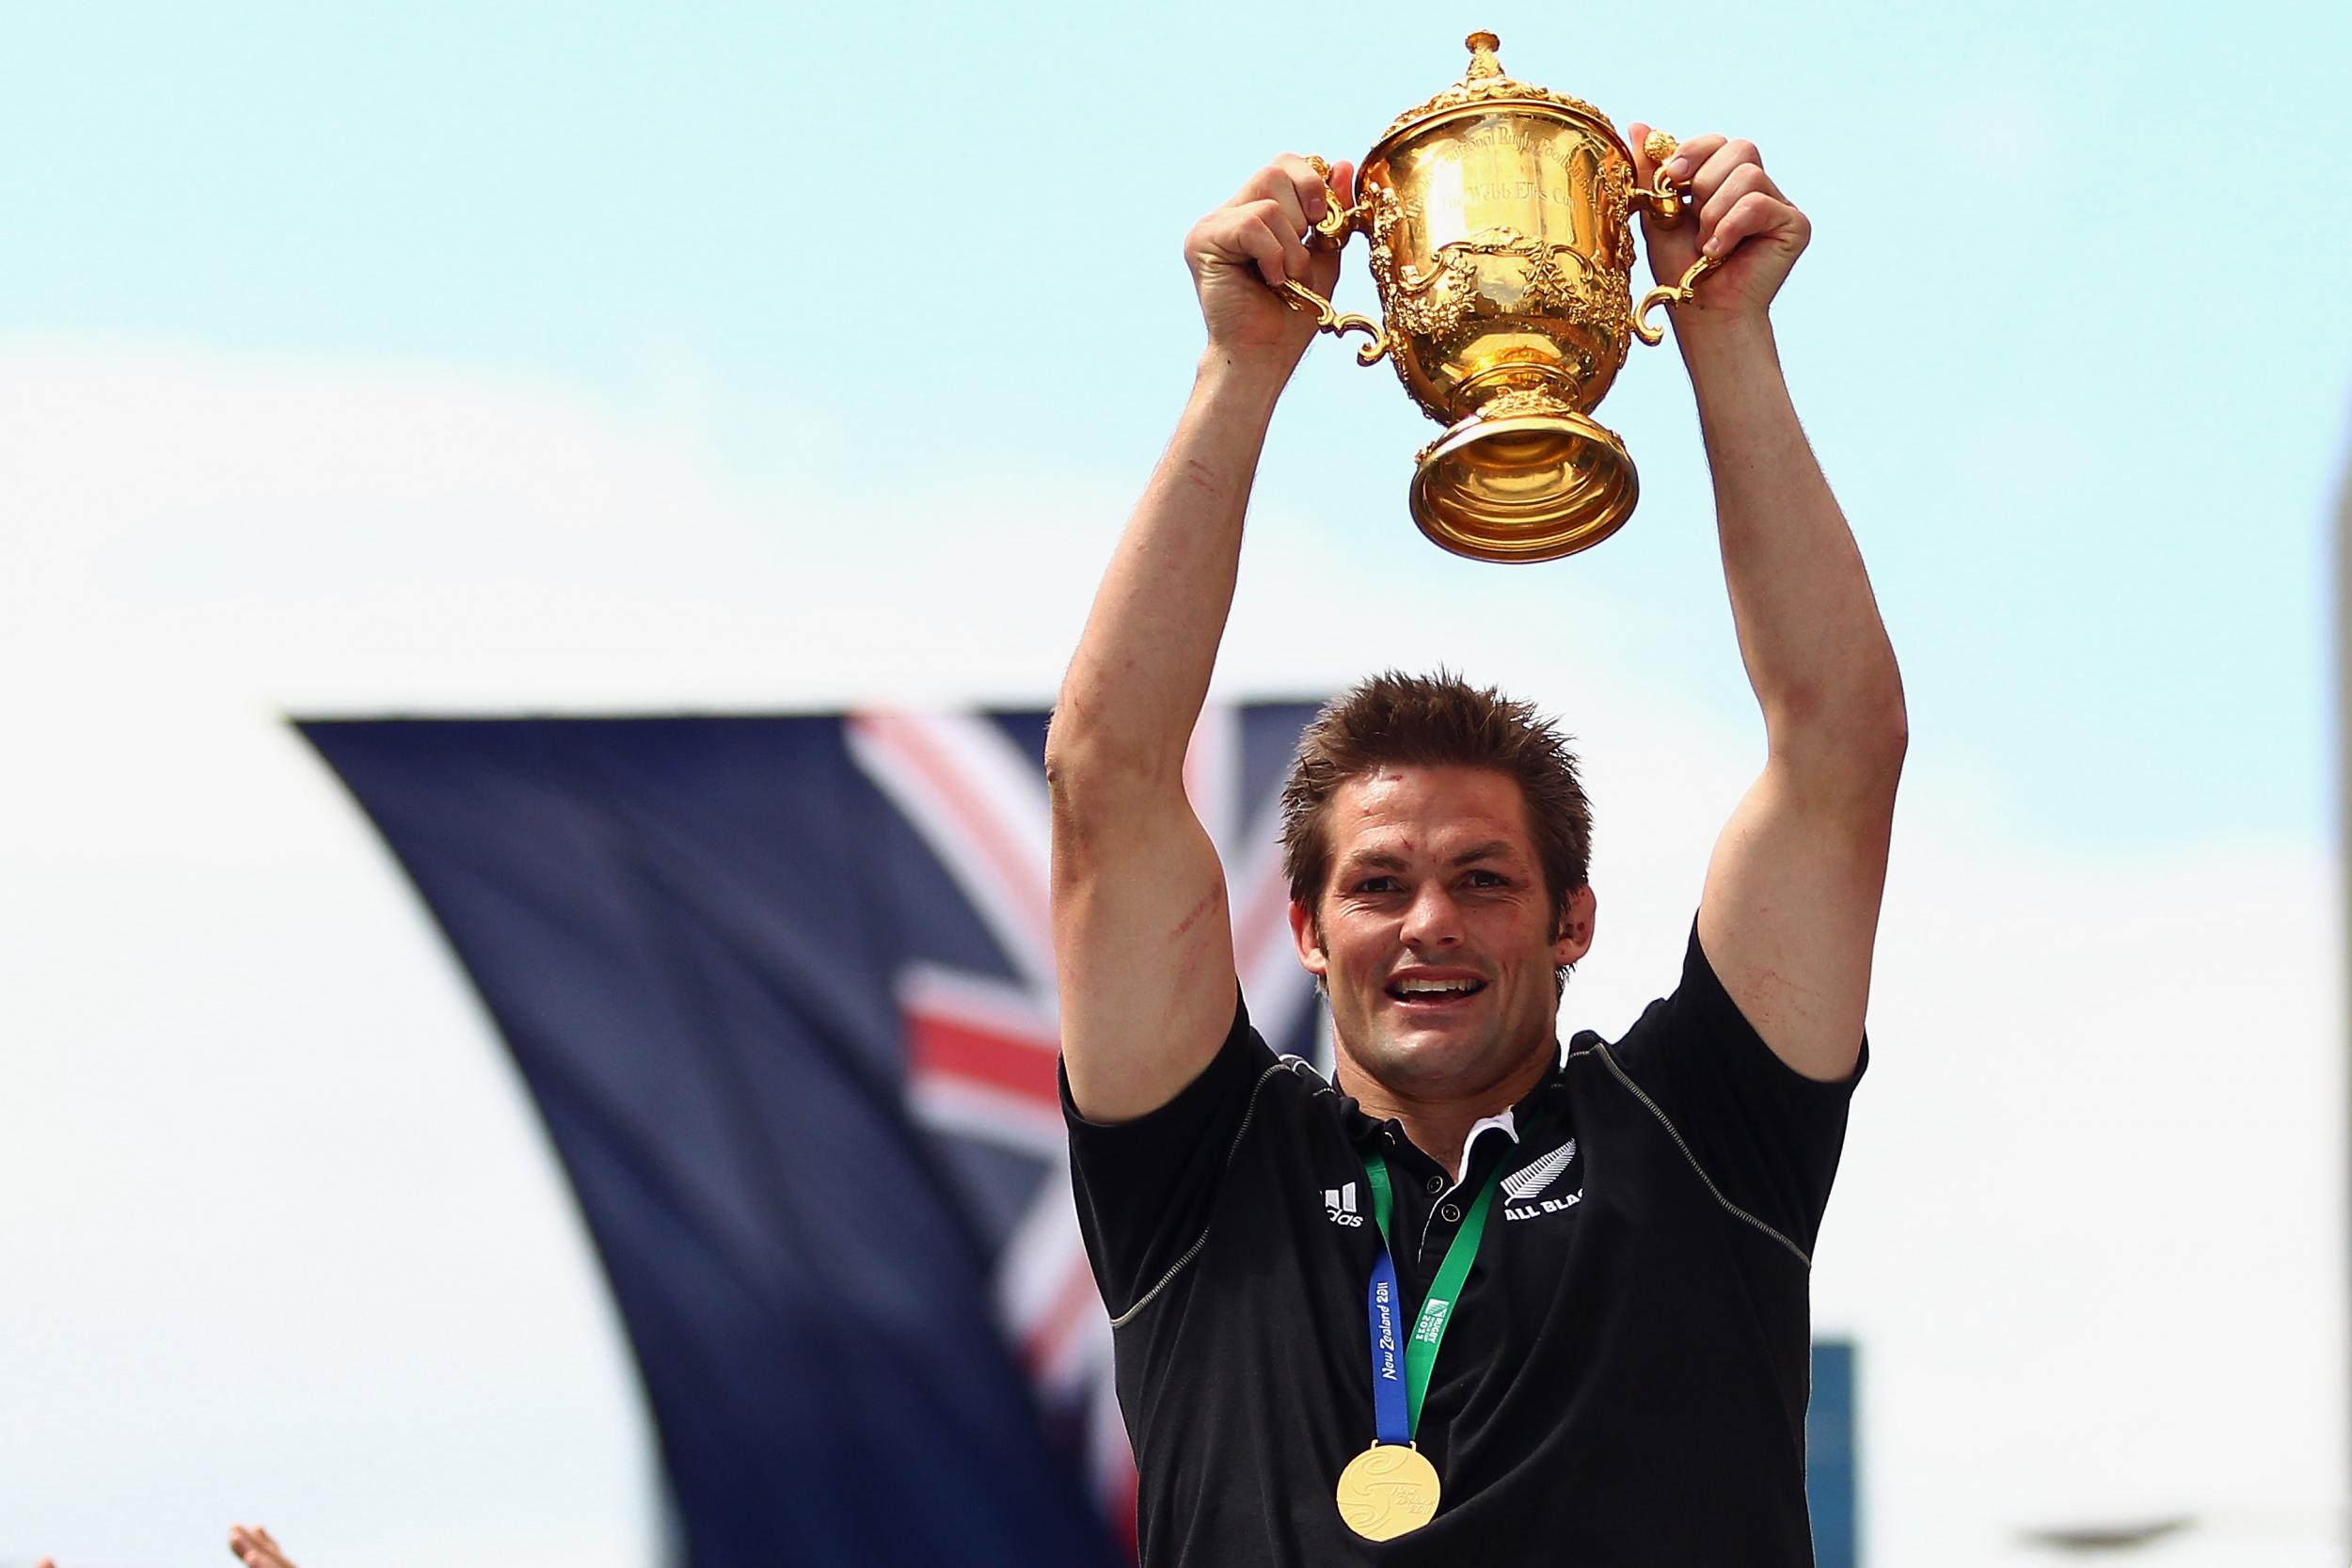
1482,62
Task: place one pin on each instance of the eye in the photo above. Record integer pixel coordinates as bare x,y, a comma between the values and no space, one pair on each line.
1377,885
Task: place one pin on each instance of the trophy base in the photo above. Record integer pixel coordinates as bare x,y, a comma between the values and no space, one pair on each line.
1525,486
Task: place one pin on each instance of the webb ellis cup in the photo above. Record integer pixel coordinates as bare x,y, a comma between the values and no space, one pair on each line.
1500,216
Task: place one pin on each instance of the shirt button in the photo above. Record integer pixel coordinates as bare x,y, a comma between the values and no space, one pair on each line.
1434,1185
1451,1214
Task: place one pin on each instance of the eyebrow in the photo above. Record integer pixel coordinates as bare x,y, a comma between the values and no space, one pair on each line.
1381,859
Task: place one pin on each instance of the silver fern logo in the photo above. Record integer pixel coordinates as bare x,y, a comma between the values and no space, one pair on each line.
1522,1189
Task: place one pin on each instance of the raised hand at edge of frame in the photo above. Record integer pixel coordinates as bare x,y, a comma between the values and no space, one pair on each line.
1239,251
1754,233
254,1547
249,1545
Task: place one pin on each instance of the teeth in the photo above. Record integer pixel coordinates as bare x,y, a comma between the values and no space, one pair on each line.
1421,987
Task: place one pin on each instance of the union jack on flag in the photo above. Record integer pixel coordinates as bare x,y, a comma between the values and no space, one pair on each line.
782,989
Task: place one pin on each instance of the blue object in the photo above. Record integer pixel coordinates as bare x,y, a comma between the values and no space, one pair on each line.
773,985
1830,1456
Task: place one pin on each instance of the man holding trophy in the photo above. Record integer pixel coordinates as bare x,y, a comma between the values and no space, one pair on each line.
1480,1301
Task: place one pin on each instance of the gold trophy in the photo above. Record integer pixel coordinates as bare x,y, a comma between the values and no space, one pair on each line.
1500,216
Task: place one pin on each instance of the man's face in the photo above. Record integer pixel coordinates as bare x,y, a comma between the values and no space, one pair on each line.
1436,937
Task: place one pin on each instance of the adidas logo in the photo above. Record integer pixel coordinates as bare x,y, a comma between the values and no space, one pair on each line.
1339,1203
1522,1189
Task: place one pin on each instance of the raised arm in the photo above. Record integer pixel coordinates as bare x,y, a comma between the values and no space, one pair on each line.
1142,939
1791,908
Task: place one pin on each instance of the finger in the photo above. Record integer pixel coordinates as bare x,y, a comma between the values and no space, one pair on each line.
1276,183
1288,235
252,1546
1305,189
1691,156
1254,235
1715,168
1323,268
1757,213
1343,180
1264,236
1739,182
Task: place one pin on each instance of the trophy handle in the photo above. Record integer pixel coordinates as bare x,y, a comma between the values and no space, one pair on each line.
1675,294
1331,233
1666,202
1328,318
1663,199
1337,221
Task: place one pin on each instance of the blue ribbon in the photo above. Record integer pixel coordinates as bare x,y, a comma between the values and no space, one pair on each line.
1387,1352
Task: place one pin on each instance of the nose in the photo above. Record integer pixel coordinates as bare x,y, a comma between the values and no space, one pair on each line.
1432,920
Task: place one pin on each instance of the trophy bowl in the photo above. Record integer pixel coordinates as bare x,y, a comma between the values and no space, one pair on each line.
1500,221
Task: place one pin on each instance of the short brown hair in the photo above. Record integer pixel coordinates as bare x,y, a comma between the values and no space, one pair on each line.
1434,720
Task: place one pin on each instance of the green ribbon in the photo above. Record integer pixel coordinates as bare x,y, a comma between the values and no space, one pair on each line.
1436,1309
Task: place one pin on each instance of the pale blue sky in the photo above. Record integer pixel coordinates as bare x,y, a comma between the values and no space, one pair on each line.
2066,339
357,358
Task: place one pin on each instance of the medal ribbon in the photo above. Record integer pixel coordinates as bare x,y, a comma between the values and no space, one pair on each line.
1396,1401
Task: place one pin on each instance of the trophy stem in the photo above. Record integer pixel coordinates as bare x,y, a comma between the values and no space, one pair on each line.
1525,478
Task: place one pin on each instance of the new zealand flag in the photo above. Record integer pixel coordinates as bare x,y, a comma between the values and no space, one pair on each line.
783,988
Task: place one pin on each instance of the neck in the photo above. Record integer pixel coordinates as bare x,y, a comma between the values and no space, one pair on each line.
1439,1125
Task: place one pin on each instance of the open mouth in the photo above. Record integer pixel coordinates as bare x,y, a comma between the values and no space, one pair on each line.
1434,993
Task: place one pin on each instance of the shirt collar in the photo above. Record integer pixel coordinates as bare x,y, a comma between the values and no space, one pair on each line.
1540,1104
1505,1119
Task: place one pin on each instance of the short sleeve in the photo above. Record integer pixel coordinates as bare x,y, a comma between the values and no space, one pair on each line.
1145,1188
1768,1136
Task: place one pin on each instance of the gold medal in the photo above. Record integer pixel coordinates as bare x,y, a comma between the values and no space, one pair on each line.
1387,1491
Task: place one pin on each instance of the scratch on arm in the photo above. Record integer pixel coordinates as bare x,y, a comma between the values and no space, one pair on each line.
1192,916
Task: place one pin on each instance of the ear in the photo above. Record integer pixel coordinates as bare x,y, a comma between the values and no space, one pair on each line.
1309,942
1574,937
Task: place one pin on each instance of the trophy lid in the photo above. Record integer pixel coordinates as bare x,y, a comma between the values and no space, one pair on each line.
1485,86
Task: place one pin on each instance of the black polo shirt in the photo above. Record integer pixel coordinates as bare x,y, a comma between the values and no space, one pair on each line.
1623,1381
